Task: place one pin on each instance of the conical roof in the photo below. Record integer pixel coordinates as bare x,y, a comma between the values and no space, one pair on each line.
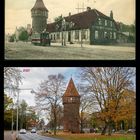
71,89
39,5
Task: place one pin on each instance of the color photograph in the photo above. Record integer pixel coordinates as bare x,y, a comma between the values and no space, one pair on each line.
69,103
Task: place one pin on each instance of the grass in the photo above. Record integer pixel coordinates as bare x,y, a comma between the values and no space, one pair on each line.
94,137
22,50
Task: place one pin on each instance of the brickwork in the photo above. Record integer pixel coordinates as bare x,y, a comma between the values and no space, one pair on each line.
71,102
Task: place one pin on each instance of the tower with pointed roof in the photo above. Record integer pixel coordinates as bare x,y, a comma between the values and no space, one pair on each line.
39,15
71,102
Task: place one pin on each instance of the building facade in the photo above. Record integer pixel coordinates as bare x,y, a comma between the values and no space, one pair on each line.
71,102
39,15
89,27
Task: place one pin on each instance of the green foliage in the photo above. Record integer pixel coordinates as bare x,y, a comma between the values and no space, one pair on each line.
128,28
22,113
23,35
7,101
58,21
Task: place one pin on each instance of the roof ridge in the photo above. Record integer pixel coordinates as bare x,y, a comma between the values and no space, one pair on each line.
39,4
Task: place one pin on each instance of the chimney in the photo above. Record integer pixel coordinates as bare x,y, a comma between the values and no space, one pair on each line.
69,14
88,8
111,14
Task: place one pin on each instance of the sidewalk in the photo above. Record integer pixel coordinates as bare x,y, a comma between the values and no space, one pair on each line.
9,136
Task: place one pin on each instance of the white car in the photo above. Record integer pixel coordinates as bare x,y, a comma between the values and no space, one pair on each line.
22,131
33,131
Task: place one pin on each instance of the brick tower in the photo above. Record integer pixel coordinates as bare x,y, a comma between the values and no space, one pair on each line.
71,102
39,16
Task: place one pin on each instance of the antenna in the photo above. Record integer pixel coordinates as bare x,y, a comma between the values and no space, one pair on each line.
81,8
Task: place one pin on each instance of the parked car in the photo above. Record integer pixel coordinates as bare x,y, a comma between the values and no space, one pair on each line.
121,131
131,131
22,131
33,131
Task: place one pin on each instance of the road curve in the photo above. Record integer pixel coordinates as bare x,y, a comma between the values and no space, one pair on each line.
34,136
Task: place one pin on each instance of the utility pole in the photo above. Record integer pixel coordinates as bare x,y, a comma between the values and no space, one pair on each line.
17,112
12,120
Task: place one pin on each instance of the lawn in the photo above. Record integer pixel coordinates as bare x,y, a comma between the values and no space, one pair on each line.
94,137
23,50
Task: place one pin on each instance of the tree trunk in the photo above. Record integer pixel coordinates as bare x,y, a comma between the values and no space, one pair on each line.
81,122
55,122
104,129
109,128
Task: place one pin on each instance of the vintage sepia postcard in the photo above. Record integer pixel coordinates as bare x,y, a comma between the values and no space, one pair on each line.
70,30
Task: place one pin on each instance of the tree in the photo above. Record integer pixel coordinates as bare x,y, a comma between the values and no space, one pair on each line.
7,101
49,96
32,118
12,78
23,34
22,114
58,21
86,106
106,85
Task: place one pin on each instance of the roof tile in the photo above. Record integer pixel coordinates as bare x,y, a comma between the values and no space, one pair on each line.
71,89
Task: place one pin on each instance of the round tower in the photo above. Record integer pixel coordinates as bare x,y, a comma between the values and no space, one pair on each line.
39,15
71,102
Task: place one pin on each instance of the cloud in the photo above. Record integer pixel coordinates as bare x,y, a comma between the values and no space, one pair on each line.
34,75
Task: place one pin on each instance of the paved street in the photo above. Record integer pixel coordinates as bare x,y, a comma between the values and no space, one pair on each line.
22,50
29,136
34,136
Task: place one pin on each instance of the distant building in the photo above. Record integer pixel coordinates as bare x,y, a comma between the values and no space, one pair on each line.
39,15
90,27
71,102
